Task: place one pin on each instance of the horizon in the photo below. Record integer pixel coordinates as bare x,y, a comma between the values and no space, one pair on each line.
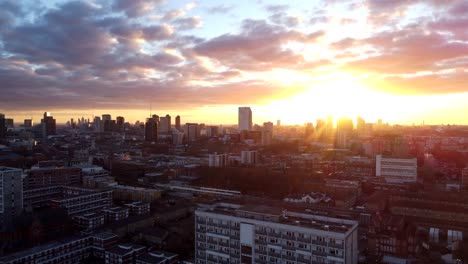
295,62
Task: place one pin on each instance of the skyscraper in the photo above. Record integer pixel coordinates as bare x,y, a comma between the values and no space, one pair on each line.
165,125
360,125
120,121
11,195
192,131
245,119
48,125
267,133
2,126
151,129
177,123
97,124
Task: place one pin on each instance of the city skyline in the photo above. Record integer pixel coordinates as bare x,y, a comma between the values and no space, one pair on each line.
295,62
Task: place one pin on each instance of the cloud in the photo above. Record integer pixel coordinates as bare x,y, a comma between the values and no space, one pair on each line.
134,8
188,23
220,9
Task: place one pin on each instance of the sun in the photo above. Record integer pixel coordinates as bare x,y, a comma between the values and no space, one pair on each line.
335,97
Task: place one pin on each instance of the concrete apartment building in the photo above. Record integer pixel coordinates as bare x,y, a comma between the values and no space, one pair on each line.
396,170
230,233
11,195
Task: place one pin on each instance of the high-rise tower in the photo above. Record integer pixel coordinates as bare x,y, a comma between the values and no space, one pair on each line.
245,119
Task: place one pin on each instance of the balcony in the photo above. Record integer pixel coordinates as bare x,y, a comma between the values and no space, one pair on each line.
319,253
321,243
304,240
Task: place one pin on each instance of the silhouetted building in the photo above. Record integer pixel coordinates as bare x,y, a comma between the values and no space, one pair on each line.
309,131
320,130
245,118
177,123
28,123
2,126
48,125
151,129
97,123
9,123
360,126
120,122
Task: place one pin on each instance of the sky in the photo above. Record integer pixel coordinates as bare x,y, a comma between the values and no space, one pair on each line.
404,61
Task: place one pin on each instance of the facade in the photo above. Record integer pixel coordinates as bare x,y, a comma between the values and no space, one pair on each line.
218,160
229,233
249,157
67,251
245,119
39,176
396,170
11,195
78,201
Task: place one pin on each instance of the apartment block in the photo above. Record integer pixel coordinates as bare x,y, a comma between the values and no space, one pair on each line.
230,233
396,170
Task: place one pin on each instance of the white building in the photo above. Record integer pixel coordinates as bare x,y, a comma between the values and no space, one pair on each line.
249,157
218,160
245,119
11,195
230,233
396,170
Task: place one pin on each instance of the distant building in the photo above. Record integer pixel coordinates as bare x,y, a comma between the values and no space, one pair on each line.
177,123
9,123
28,123
267,133
151,129
212,131
218,160
165,125
245,119
11,195
192,131
97,124
249,157
396,170
360,126
263,234
48,125
120,122
2,126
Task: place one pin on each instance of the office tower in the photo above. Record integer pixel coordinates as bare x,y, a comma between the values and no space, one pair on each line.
165,125
177,123
278,123
231,233
120,121
11,195
309,131
267,133
48,125
28,123
151,129
192,131
2,126
320,130
360,126
245,119
329,131
249,157
97,124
